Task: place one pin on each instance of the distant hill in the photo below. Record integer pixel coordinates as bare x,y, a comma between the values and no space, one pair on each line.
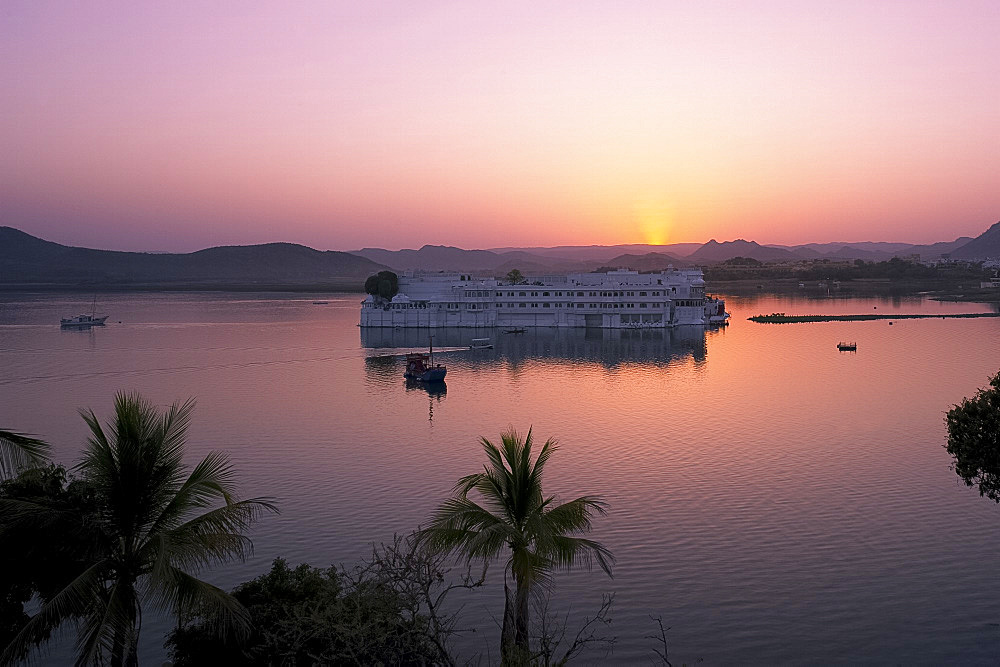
984,246
432,258
713,251
935,250
651,261
449,258
603,253
25,259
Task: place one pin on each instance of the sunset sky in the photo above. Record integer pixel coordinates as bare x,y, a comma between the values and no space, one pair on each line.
180,125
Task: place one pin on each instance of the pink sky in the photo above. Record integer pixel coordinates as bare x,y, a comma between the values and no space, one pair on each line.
342,125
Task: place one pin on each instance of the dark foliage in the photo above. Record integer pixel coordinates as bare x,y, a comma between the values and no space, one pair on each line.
59,547
130,535
514,277
384,284
388,610
742,261
974,439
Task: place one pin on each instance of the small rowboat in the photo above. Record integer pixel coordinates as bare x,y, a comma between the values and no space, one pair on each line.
847,347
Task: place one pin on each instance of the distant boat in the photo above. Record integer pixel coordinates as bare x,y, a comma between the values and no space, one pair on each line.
514,331
481,344
83,320
320,303
847,347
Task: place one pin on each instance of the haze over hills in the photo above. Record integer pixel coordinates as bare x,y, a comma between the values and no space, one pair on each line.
585,258
986,244
25,259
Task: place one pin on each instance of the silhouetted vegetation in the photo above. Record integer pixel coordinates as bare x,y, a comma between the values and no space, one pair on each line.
41,558
130,532
514,277
974,439
384,284
132,525
18,451
742,261
390,609
517,520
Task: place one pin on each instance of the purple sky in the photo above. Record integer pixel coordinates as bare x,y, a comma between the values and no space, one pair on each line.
174,126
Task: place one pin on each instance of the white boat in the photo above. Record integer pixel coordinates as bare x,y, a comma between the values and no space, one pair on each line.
481,344
83,320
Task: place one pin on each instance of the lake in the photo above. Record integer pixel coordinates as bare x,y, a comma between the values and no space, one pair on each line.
774,500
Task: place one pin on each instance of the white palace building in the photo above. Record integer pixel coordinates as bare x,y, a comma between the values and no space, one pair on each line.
620,299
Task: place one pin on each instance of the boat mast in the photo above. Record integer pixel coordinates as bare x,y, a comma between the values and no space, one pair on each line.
431,350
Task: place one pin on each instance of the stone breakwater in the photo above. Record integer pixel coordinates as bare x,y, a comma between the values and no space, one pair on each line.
781,318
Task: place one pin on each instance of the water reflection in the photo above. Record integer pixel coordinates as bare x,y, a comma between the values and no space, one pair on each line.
609,347
435,392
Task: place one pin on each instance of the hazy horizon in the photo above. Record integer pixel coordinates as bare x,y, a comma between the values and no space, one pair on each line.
386,124
504,248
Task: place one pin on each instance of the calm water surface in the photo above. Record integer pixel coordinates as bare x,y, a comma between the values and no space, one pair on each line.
774,500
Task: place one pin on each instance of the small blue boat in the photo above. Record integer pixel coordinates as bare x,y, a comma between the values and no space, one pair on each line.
421,368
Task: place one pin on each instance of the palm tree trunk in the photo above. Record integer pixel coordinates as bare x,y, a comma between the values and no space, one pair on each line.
507,632
118,649
521,615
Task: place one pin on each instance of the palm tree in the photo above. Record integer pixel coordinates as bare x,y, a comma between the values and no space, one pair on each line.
18,450
516,517
155,525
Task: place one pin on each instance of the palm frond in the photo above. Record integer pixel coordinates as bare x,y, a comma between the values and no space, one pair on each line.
73,601
567,552
211,481
573,516
217,536
181,593
18,450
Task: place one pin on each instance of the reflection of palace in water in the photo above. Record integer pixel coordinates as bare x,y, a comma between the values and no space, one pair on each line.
606,346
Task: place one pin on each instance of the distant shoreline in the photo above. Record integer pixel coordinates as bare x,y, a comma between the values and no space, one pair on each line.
347,286
937,290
